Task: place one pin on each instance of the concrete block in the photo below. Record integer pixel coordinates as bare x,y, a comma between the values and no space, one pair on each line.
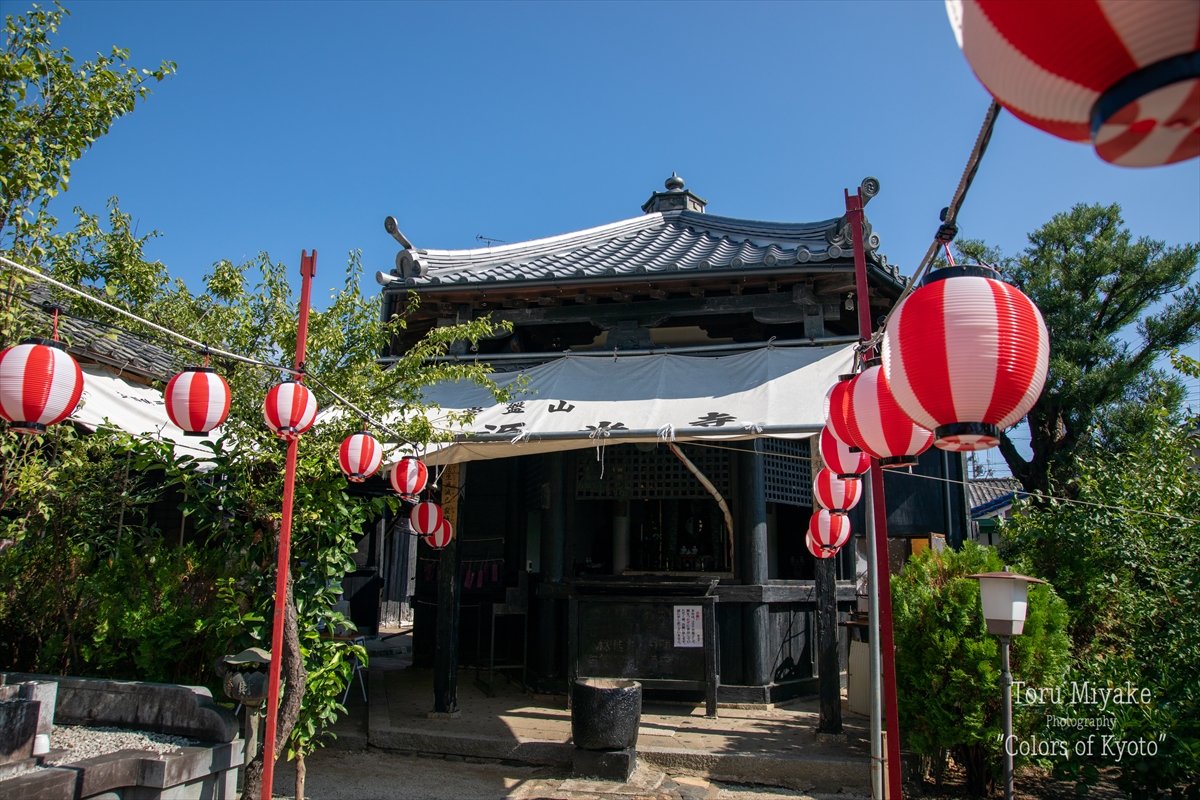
608,765
159,707
43,784
18,726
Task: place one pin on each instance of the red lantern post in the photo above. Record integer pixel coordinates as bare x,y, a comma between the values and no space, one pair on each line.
887,646
308,269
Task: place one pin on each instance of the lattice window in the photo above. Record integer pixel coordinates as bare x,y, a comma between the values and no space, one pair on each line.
787,466
656,474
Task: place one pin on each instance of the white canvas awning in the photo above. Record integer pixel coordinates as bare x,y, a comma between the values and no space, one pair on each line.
583,401
111,401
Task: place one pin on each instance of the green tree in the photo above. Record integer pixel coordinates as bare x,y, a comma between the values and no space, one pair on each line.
51,111
1098,288
1127,562
948,666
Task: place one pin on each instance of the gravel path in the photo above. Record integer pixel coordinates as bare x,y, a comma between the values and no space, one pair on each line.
81,742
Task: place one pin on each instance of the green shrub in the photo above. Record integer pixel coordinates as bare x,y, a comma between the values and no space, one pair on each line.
948,666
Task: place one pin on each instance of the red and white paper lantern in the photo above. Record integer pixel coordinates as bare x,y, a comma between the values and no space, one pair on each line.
1123,75
834,493
829,529
839,458
965,356
289,409
426,518
818,552
359,457
441,537
879,426
197,400
408,476
837,407
40,384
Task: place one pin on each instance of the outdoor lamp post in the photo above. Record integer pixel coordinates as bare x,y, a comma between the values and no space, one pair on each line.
1005,599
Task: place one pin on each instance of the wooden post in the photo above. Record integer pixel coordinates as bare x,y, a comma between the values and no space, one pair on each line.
553,549
756,617
854,215
829,670
445,655
308,269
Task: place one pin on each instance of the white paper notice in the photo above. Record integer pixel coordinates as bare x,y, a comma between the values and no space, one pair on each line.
689,626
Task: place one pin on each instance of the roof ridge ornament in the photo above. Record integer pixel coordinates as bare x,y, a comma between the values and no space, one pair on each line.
675,198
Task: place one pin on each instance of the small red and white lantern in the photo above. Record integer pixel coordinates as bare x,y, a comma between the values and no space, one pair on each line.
1123,75
408,476
818,552
879,426
197,400
840,459
837,408
426,518
834,493
441,537
965,356
40,384
829,529
289,409
359,457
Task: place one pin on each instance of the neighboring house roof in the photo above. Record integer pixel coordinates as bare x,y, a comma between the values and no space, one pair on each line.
657,243
989,495
104,345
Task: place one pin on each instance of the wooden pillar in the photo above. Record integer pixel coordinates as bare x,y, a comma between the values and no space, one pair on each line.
449,596
553,540
828,666
756,617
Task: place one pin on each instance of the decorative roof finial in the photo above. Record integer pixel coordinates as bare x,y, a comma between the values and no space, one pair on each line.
674,183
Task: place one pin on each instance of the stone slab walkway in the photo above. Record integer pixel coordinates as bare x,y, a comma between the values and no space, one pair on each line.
770,746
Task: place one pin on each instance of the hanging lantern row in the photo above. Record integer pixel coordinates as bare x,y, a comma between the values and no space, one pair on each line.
441,537
425,518
839,458
837,407
40,384
965,355
1124,76
197,400
359,457
834,493
877,424
289,409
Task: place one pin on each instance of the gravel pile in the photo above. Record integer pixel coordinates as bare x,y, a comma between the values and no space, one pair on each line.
81,742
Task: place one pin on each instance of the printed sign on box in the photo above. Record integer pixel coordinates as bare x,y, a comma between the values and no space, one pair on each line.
689,626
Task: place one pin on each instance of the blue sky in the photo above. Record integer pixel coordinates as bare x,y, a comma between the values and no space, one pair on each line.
301,125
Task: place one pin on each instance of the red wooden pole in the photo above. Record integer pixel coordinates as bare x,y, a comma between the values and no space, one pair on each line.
308,269
887,646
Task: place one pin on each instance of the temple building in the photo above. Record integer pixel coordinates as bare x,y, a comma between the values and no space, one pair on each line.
638,508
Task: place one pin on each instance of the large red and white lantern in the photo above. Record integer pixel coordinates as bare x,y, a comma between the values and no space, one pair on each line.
441,537
1123,74
840,459
965,356
426,518
834,493
408,476
818,552
837,407
829,529
289,409
879,426
40,384
197,400
359,457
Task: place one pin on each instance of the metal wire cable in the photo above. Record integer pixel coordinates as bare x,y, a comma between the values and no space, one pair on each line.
956,202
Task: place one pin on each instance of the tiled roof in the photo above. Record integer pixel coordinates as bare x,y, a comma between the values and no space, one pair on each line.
655,243
124,351
985,494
